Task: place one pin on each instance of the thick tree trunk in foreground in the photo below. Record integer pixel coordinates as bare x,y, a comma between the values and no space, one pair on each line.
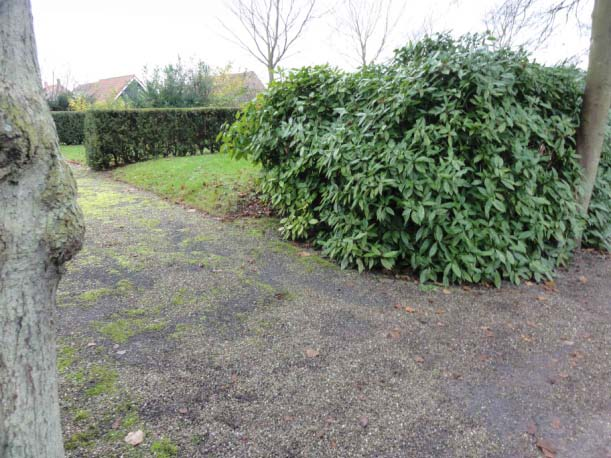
40,228
597,99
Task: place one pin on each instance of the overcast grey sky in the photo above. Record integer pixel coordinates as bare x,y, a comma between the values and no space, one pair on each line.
93,39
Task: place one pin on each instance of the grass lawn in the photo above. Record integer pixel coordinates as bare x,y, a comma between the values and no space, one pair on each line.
75,153
213,183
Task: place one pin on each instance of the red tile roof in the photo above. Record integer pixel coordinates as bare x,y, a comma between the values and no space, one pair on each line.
52,90
106,89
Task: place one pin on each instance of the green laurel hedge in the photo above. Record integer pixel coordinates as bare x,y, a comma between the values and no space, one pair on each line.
455,161
69,126
115,137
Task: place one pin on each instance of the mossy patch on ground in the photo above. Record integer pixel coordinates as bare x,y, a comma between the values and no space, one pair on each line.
94,379
66,355
164,448
121,288
83,439
121,329
93,295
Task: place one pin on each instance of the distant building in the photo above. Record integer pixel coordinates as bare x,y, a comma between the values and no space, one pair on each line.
53,90
237,88
111,89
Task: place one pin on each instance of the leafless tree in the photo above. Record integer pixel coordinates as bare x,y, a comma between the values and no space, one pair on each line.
425,29
507,22
272,27
368,24
41,227
530,23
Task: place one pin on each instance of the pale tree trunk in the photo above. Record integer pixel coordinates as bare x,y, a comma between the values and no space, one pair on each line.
596,101
270,73
40,228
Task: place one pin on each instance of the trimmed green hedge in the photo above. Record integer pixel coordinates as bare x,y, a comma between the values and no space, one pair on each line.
455,161
115,137
69,125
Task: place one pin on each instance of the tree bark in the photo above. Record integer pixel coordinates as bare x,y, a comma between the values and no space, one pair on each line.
596,101
41,227
270,73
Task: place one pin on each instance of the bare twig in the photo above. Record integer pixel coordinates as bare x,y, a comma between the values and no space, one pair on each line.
272,27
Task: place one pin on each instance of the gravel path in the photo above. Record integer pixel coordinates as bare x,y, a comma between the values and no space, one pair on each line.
219,340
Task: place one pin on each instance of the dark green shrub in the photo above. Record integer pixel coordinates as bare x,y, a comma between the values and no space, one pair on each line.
69,125
115,137
455,161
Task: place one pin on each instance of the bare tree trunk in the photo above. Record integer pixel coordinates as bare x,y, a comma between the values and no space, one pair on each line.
270,74
596,101
40,228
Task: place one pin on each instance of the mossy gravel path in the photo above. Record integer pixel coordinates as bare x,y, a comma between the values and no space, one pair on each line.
217,339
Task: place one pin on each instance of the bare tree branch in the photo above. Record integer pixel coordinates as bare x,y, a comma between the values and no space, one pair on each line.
369,24
272,26
529,23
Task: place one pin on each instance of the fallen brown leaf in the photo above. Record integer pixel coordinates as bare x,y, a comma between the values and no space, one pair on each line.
397,306
542,298
364,422
419,359
526,338
135,438
394,334
487,331
311,353
556,423
583,280
410,310
304,254
446,291
548,449
550,285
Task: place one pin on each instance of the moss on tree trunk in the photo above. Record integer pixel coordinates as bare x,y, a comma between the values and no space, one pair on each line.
41,227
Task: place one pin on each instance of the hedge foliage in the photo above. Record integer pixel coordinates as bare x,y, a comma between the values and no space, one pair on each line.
69,125
454,161
115,137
